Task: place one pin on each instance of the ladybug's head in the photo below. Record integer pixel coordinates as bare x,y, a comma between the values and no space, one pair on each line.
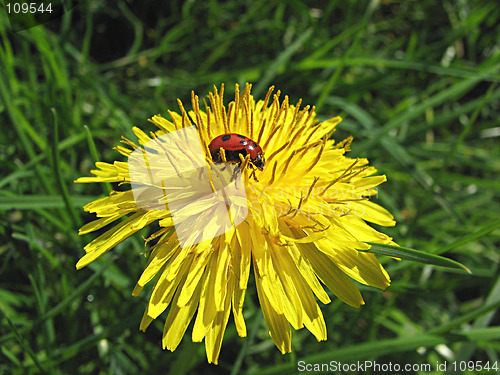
259,162
256,154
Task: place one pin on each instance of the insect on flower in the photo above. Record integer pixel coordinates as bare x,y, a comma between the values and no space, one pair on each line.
300,228
235,148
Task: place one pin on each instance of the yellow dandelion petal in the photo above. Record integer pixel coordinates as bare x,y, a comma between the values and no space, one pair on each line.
237,302
160,255
178,320
361,267
213,339
221,277
239,190
163,291
116,235
279,328
309,275
335,280
266,276
143,138
101,223
206,310
372,212
194,275
244,239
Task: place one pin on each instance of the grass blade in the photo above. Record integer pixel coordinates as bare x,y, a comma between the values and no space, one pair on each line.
75,219
471,237
280,61
95,156
30,202
23,343
414,255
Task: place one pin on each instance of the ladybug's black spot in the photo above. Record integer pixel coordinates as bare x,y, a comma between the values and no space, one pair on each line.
226,137
241,136
254,145
243,142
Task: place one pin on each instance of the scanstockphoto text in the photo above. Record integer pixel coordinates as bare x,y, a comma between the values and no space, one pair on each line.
391,368
334,202
288,201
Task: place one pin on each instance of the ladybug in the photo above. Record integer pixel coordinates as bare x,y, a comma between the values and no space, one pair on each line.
235,145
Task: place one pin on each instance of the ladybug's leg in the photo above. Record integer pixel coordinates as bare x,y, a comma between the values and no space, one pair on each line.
235,172
253,174
248,164
233,178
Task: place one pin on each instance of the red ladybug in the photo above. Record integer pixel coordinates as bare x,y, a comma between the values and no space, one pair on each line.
235,145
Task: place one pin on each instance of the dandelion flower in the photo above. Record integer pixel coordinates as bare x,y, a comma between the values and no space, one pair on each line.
301,222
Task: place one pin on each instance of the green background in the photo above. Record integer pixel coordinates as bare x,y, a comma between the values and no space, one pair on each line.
417,85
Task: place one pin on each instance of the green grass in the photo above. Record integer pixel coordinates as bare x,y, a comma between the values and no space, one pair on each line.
417,83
